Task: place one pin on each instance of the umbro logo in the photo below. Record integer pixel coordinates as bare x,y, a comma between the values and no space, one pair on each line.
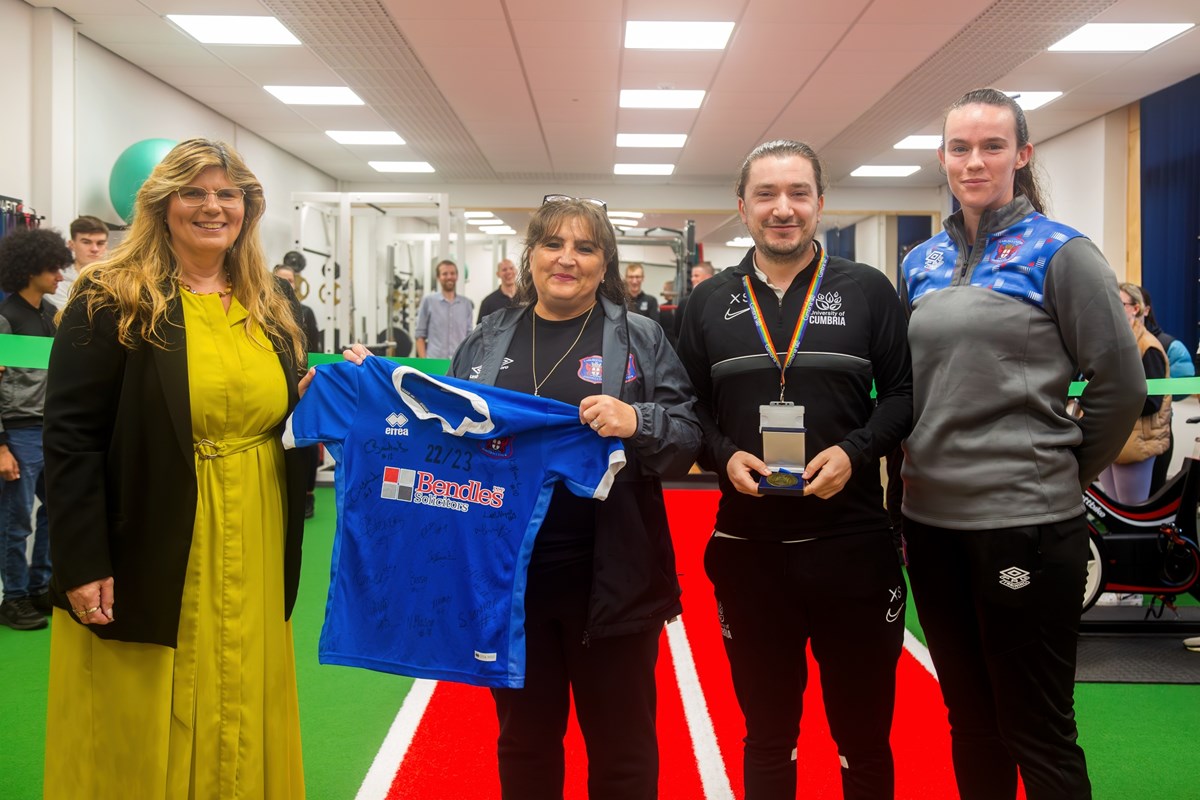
1014,578
396,422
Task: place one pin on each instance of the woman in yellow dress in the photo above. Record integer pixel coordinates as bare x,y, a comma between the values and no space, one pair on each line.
175,514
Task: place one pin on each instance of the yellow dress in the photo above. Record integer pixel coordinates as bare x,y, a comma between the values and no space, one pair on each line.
216,717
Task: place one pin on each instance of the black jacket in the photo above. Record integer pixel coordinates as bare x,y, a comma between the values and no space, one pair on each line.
634,583
856,336
120,472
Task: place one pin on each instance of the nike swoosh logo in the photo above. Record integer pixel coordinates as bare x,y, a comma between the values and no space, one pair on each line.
735,313
893,616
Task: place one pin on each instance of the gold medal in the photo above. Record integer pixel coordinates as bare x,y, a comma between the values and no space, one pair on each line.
782,480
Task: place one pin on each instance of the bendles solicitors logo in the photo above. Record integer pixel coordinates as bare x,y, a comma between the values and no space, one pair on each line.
422,488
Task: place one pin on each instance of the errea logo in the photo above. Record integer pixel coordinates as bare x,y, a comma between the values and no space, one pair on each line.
396,422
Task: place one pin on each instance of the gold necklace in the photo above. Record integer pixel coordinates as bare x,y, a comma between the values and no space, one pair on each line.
537,385
219,292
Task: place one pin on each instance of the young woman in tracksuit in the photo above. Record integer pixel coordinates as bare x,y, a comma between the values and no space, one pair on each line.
1007,306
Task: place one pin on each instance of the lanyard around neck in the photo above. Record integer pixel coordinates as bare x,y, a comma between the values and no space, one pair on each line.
764,334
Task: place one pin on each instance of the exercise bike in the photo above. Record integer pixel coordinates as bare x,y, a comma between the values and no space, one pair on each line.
1147,548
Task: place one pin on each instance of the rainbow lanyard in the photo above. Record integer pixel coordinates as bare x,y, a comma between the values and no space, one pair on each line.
801,324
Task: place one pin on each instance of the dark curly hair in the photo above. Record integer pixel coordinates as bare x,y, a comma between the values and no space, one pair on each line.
25,252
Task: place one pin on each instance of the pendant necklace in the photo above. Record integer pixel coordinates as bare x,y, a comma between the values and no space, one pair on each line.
537,385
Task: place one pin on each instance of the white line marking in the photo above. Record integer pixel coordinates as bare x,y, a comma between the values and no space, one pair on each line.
395,745
918,651
711,765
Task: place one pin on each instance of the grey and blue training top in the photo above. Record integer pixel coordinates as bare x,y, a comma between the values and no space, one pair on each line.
998,331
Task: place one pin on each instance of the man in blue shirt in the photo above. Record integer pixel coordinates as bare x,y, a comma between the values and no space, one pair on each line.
444,318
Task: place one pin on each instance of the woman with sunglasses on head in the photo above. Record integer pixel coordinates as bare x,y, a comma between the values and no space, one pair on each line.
175,514
602,576
1007,307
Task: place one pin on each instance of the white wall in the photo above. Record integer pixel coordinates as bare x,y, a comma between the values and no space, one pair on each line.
16,98
870,242
1084,181
117,105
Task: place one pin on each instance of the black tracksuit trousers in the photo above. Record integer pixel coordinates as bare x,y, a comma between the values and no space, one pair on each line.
612,682
845,595
1000,610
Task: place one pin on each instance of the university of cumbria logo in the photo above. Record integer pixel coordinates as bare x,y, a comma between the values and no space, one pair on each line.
423,488
396,422
827,310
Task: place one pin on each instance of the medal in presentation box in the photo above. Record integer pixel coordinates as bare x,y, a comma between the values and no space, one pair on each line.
782,428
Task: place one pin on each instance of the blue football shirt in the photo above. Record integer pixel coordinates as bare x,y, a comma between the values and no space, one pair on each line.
441,488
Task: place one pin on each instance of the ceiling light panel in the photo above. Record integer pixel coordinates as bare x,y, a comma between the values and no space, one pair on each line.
677,35
881,171
498,229
661,98
401,166
217,29
478,215
651,139
315,95
626,214
643,169
919,142
1119,37
1028,101
365,137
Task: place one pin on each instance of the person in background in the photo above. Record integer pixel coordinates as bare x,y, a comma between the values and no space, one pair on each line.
89,244
602,578
505,295
639,301
668,312
1179,365
1127,480
175,515
699,273
995,466
818,566
444,317
31,265
306,318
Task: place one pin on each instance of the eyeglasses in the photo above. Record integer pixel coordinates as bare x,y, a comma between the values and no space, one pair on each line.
566,198
192,196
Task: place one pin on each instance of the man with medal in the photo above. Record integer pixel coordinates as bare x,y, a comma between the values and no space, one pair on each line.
784,350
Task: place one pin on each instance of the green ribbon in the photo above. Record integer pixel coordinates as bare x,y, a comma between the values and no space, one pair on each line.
33,352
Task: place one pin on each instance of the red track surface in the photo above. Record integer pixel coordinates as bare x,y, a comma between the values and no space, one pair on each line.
452,755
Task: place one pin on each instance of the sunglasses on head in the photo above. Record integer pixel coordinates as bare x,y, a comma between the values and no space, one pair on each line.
566,198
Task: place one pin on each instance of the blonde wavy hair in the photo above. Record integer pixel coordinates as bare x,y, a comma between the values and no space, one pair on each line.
137,280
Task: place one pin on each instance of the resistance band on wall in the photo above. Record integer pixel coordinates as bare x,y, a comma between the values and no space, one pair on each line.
14,214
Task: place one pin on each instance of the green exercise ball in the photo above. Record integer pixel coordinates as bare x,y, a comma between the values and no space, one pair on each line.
130,171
